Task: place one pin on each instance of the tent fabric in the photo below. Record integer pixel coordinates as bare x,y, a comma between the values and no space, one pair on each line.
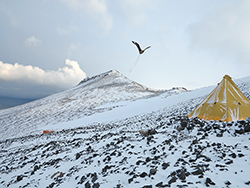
226,103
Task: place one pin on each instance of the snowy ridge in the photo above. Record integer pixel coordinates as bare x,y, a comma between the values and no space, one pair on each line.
144,142
94,95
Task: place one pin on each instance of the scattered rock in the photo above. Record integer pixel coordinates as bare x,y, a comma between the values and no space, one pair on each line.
233,155
241,155
83,178
165,165
78,155
197,172
228,161
227,182
152,171
87,185
147,186
209,182
239,131
96,185
94,177
172,180
247,183
19,178
143,174
182,173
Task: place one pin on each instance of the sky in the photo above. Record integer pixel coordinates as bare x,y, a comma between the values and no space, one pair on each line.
51,45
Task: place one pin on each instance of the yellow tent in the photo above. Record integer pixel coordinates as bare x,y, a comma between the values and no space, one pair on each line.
226,103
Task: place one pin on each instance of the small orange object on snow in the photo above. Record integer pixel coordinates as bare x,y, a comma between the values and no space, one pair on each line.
47,131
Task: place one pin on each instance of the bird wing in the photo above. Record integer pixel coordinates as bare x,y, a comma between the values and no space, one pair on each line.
147,48
137,45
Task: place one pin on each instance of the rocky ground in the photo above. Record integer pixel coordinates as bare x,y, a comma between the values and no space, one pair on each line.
176,152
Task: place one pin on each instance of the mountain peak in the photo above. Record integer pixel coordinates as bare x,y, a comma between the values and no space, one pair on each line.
108,73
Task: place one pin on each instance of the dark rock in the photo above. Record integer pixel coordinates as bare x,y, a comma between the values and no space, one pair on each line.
220,134
171,147
53,162
152,131
87,185
172,180
207,128
148,159
182,173
139,162
229,161
241,122
19,178
247,128
149,139
94,177
130,180
152,171
239,131
36,168
184,121
197,172
209,182
144,174
216,126
107,159
147,186
83,178
165,165
233,155
247,183
118,186
241,155
160,184
51,185
227,182
96,185
107,167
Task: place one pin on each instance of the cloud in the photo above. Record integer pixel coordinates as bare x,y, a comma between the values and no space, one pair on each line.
63,78
4,9
97,9
32,42
225,33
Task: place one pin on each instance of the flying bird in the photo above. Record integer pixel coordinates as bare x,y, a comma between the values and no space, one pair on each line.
139,48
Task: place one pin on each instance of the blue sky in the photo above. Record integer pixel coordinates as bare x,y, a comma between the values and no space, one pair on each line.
51,45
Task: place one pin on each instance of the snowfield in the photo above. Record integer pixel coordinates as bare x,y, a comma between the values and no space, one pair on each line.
113,132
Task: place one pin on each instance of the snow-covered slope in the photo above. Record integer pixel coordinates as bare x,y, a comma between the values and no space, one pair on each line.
140,138
92,95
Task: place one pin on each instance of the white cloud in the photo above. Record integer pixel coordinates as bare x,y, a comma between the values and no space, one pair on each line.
6,11
97,9
226,33
32,42
65,77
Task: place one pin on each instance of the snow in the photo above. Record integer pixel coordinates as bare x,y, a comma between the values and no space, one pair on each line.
97,139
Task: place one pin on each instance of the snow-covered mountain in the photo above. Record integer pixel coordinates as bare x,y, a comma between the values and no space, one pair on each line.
113,132
92,95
